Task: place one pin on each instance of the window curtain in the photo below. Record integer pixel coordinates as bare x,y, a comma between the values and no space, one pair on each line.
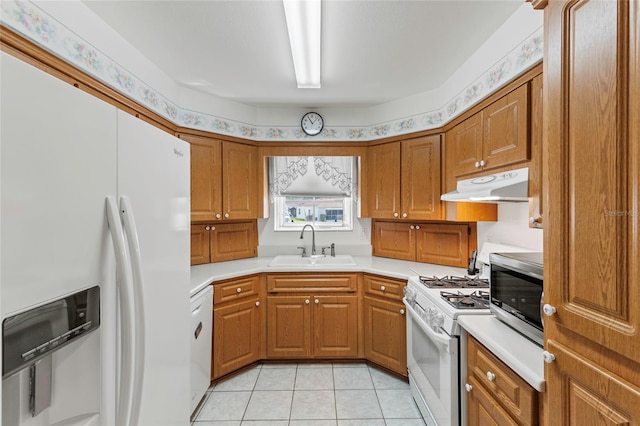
308,176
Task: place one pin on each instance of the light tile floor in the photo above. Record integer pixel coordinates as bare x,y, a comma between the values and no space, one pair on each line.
340,394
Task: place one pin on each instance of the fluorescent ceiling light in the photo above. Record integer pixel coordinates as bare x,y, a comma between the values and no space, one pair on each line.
303,24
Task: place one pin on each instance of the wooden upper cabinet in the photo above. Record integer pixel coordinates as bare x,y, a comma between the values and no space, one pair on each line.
420,178
494,137
384,180
592,173
535,165
395,240
405,179
467,144
206,178
218,242
443,244
240,181
592,238
506,129
224,180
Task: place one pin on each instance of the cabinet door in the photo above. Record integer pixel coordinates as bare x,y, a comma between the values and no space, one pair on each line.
394,240
199,244
384,180
483,410
240,164
229,241
535,165
443,244
385,335
335,326
467,143
288,327
236,336
421,178
592,169
506,129
581,393
206,178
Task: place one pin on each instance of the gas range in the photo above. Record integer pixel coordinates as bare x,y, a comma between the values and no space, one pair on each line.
439,300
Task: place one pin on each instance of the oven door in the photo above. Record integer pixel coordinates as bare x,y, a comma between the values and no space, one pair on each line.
432,361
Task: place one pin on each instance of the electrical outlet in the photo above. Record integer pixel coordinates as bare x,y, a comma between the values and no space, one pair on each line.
364,234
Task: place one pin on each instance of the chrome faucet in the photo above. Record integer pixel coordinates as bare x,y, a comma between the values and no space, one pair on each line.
313,238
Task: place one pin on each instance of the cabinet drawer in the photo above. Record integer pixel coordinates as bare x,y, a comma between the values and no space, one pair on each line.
236,289
317,283
513,393
385,287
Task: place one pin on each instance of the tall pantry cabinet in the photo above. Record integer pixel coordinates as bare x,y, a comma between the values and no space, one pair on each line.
592,232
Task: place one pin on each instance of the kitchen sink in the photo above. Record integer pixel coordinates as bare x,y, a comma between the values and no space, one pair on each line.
318,260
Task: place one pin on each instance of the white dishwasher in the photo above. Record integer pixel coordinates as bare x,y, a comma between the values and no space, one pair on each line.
201,336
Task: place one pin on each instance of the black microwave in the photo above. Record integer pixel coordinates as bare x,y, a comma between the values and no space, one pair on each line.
516,292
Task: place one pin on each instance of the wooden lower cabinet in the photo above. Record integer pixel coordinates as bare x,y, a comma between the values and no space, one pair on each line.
288,327
385,337
305,326
238,322
583,393
495,393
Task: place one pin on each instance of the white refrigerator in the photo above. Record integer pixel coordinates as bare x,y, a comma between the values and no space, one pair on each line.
91,197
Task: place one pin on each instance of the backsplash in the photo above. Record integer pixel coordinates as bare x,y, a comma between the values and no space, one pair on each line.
355,243
511,228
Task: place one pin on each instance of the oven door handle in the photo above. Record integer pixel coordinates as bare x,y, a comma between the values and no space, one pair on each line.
438,338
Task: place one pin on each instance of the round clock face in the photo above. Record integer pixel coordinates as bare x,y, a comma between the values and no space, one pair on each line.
312,123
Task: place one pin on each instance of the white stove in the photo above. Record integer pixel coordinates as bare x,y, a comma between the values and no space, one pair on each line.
435,304
433,343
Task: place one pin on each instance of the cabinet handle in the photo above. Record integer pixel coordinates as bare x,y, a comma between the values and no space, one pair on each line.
548,309
490,376
417,226
306,301
395,214
206,228
477,165
404,215
238,289
483,163
226,215
412,227
401,311
212,228
317,301
258,303
548,357
217,215
468,387
537,219
382,288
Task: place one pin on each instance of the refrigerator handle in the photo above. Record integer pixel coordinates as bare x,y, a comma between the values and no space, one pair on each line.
125,302
131,233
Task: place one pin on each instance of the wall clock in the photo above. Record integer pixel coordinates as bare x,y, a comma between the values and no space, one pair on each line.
312,123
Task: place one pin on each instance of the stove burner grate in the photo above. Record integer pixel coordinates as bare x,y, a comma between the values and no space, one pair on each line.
454,282
476,300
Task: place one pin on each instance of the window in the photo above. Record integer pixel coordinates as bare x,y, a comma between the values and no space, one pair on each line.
323,197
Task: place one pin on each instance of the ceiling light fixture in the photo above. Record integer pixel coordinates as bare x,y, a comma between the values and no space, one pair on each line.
303,24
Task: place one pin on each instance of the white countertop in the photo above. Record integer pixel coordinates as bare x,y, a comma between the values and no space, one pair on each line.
519,353
203,275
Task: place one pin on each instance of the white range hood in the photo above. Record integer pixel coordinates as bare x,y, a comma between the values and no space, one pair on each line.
511,186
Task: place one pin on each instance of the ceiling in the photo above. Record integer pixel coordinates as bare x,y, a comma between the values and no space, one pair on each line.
373,51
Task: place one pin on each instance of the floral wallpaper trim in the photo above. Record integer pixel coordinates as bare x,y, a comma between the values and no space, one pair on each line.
36,25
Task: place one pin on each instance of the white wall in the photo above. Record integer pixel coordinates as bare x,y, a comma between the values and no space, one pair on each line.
355,243
511,228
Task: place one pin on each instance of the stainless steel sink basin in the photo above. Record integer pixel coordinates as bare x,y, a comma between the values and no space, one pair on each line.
319,260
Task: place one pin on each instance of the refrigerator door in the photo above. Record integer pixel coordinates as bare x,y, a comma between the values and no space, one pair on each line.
154,188
58,163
